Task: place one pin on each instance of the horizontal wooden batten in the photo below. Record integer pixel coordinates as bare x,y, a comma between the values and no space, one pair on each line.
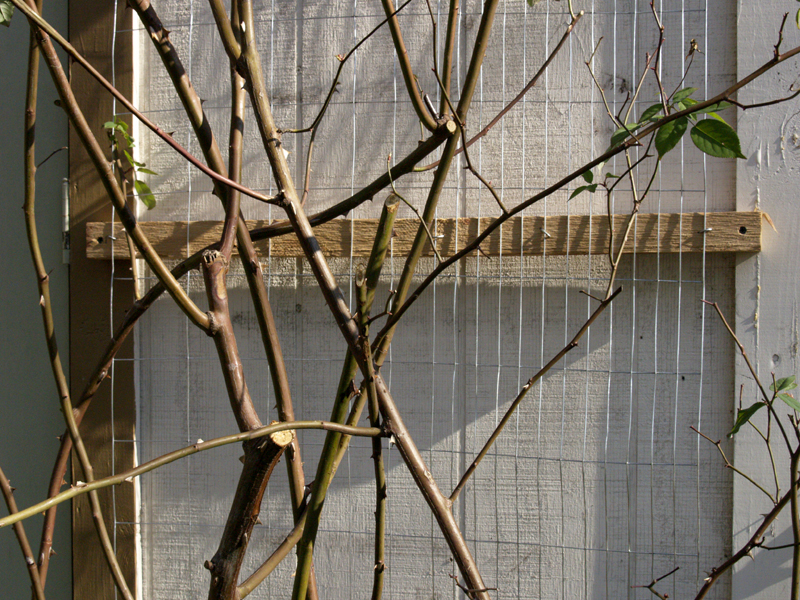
578,234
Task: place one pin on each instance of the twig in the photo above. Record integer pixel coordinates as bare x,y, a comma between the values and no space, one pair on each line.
51,155
422,222
729,465
767,399
462,130
780,36
541,373
651,586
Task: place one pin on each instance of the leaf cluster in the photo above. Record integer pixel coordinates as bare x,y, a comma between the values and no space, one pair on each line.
713,135
120,128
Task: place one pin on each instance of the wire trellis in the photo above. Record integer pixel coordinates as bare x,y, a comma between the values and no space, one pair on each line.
599,485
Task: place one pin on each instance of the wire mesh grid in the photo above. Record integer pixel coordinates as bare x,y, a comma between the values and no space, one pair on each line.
598,484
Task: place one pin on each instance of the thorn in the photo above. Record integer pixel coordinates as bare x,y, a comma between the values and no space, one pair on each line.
53,552
29,560
209,565
129,479
258,521
41,300
199,441
241,459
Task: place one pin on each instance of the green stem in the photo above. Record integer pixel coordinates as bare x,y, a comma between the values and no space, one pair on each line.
410,80
447,56
127,476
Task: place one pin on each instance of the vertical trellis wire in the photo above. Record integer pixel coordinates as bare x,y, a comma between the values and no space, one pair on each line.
632,534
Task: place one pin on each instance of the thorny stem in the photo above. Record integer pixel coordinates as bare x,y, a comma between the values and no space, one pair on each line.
398,311
335,444
730,466
521,396
106,175
72,52
377,451
200,446
754,542
41,40
252,266
333,296
19,531
277,556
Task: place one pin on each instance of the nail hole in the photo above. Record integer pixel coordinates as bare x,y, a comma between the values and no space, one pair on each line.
742,229
100,240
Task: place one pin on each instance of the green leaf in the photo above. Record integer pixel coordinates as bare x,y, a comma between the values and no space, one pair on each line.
109,125
670,134
717,117
147,171
784,383
683,94
588,176
650,112
790,400
797,18
591,188
621,134
611,176
717,139
714,108
130,159
743,416
6,10
144,194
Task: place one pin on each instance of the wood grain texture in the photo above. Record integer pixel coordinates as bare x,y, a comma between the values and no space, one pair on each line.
91,27
579,235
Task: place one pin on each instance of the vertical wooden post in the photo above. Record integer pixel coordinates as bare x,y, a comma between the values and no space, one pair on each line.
91,28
